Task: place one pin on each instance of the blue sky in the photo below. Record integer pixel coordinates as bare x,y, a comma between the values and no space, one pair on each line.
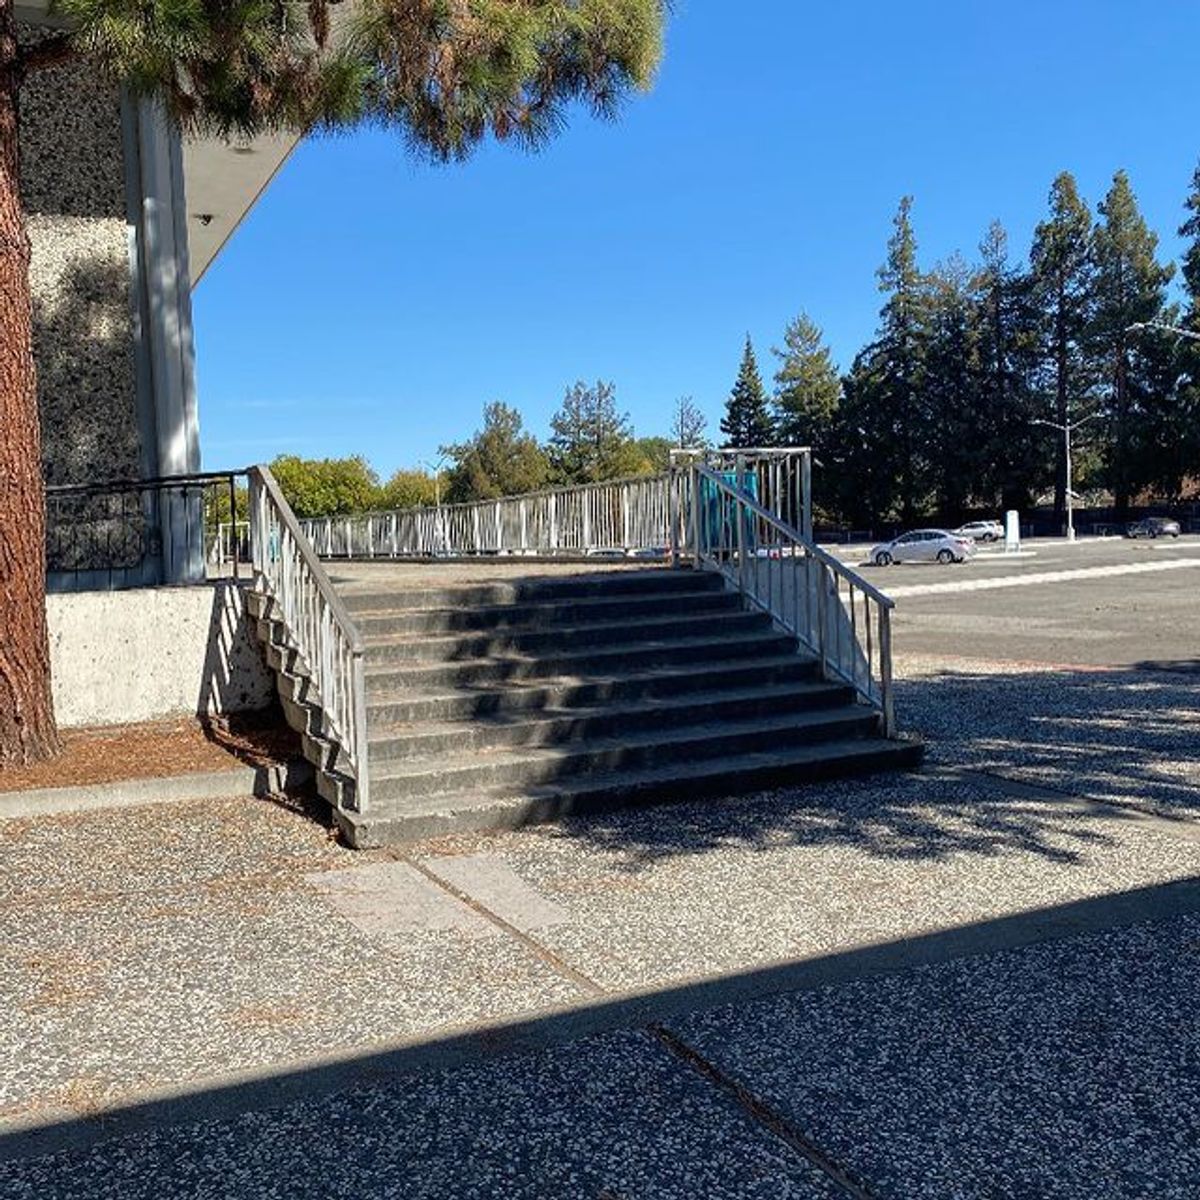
372,304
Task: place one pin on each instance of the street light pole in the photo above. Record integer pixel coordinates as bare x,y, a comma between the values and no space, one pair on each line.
1066,430
436,468
439,521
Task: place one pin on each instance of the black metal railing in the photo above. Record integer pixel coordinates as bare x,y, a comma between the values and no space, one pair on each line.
127,533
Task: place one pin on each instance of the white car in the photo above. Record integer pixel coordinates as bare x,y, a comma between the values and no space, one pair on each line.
924,545
981,531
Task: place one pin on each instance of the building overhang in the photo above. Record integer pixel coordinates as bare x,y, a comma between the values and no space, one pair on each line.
222,183
222,180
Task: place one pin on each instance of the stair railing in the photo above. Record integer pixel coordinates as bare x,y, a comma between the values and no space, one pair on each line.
643,515
829,608
319,627
625,515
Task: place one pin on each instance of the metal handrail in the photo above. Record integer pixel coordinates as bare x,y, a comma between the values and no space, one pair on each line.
799,585
633,513
816,551
630,514
318,624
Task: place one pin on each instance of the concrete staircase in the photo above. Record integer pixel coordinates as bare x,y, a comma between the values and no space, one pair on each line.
509,702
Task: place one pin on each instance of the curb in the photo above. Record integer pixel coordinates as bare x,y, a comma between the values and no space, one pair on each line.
170,789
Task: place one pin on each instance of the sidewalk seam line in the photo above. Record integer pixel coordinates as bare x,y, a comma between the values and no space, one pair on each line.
542,953
760,1112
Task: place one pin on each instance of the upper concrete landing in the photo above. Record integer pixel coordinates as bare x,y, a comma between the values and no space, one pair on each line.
358,577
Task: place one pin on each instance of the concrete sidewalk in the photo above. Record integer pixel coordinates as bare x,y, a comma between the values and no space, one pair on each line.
977,981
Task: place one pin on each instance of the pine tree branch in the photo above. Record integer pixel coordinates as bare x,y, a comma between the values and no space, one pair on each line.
52,52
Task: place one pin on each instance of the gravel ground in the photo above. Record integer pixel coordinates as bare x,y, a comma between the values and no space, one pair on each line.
1069,1070
722,888
176,943
1123,736
611,1118
185,943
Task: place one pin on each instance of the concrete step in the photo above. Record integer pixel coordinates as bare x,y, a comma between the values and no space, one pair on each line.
411,778
396,619
391,821
535,589
443,703
626,631
384,679
574,726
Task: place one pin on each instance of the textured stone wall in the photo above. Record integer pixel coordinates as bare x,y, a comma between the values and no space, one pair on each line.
73,184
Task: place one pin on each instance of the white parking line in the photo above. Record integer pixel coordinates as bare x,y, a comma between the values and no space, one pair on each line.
979,585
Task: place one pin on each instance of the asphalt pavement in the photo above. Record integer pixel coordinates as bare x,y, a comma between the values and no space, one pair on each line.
1100,602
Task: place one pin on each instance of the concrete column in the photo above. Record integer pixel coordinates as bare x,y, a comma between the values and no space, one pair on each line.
163,331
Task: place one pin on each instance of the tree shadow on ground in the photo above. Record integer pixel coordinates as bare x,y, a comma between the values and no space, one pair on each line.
1028,762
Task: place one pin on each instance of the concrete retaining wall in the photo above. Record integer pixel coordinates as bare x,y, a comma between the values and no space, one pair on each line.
157,652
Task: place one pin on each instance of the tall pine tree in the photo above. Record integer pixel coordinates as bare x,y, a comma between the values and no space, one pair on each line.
1016,459
899,365
1188,395
1137,382
807,386
1062,277
956,427
747,419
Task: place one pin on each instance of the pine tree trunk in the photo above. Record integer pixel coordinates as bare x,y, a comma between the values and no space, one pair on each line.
27,728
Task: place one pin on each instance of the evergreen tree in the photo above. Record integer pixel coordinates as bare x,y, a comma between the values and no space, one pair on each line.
445,76
807,386
898,366
1137,373
956,426
1188,413
591,440
859,453
1017,461
1062,278
501,459
688,425
747,420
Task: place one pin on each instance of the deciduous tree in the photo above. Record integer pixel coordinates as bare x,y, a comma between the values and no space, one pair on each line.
408,488
501,459
591,440
326,487
688,425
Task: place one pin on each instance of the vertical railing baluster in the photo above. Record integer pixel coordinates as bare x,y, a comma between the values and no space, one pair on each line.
885,671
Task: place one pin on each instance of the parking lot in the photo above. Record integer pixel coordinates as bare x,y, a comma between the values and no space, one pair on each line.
1099,602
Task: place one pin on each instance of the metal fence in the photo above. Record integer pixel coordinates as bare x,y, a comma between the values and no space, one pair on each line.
140,533
642,516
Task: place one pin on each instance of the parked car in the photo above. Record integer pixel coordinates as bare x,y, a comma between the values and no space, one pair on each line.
1153,527
924,545
981,531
